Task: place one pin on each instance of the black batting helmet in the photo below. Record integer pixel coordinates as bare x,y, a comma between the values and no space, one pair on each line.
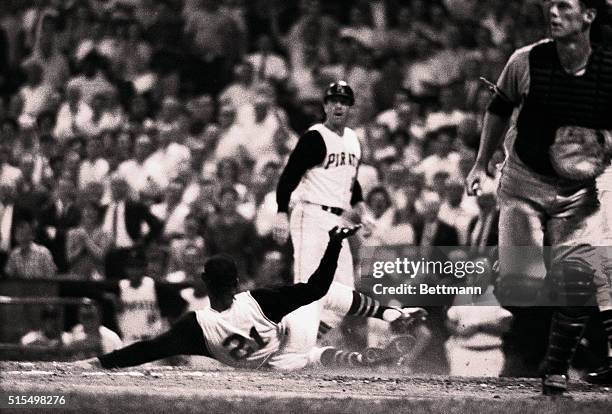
340,88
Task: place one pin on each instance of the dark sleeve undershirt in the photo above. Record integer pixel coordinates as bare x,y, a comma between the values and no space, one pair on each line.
309,152
278,302
185,337
357,194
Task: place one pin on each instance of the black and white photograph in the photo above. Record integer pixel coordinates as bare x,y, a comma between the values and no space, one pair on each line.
306,206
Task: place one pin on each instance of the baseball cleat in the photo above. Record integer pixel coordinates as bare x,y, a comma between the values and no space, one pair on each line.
408,319
391,354
603,376
554,384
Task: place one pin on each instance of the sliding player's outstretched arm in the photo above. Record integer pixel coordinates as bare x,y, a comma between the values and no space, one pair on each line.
184,338
278,302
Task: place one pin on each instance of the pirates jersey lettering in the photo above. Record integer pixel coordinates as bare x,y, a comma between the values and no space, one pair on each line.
330,183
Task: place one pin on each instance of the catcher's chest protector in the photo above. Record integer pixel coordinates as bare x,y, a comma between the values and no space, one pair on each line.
557,99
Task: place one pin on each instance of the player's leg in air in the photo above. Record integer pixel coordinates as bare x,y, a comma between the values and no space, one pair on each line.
401,323
344,301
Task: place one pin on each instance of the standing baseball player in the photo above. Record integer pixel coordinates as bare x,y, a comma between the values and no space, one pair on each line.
558,95
320,178
247,330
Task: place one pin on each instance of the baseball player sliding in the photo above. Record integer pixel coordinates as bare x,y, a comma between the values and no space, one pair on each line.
247,329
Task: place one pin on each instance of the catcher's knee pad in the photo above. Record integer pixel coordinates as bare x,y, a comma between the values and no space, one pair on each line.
570,283
518,289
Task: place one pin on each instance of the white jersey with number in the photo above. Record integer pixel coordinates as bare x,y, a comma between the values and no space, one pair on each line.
331,182
241,336
140,317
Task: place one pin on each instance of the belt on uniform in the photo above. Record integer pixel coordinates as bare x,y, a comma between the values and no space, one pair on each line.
334,210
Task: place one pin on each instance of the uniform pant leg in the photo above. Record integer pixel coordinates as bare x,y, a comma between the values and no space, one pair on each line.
309,234
577,232
604,289
521,238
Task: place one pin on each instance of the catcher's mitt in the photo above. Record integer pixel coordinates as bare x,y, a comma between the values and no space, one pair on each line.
580,153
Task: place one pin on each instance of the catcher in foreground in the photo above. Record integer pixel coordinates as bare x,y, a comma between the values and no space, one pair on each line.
246,330
552,103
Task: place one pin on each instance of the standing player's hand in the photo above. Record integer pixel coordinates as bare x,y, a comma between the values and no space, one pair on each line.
280,232
474,180
340,233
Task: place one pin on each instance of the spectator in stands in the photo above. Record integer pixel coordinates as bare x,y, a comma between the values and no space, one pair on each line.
89,337
92,80
170,155
242,90
379,217
172,211
29,260
36,95
138,170
232,136
349,67
55,69
201,110
94,167
101,120
169,114
212,30
419,70
50,333
261,119
448,114
73,116
402,36
87,244
442,158
264,191
55,220
191,266
430,230
191,239
12,212
268,65
205,205
195,296
228,175
123,220
453,211
204,157
307,44
230,233
35,174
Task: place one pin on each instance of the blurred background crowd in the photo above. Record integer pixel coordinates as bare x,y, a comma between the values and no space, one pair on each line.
138,137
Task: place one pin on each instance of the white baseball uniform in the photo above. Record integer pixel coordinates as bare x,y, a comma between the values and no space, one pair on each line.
320,177
140,317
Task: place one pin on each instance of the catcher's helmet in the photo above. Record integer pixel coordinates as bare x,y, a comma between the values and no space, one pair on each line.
340,88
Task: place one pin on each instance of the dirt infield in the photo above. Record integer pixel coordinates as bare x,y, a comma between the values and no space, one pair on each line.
212,389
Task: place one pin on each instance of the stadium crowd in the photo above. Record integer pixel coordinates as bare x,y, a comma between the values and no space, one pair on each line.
160,126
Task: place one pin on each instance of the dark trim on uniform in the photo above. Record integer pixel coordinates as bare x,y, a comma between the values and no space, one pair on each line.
277,302
308,153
